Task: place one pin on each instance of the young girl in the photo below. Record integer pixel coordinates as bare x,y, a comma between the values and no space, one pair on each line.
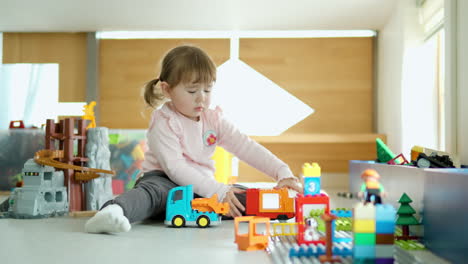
182,137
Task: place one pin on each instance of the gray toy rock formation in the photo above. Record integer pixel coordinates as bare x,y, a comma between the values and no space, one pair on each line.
43,193
98,191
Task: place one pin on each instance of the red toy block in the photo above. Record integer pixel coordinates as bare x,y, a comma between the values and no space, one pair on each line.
302,200
118,187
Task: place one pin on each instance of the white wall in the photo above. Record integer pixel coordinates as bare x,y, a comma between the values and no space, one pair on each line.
405,95
389,61
401,76
462,80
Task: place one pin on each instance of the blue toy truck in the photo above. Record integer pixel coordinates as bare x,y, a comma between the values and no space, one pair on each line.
182,209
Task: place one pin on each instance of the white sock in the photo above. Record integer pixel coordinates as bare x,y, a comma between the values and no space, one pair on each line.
109,220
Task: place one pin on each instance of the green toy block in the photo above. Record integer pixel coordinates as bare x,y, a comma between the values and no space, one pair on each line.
364,238
114,139
384,154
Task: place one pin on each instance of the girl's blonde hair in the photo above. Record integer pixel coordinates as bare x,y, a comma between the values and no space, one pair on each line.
183,64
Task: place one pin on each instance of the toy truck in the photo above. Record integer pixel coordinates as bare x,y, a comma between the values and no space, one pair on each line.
182,209
272,203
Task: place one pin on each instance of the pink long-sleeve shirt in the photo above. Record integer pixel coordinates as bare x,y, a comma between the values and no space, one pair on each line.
183,148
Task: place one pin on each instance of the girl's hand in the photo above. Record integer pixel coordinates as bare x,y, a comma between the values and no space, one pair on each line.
235,206
290,183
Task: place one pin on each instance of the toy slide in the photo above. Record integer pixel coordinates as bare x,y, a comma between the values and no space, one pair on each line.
47,157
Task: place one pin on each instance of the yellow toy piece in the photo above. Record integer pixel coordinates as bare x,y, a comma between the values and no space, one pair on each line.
311,170
252,240
89,114
223,165
284,229
364,226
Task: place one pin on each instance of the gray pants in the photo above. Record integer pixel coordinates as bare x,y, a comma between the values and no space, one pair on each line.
148,198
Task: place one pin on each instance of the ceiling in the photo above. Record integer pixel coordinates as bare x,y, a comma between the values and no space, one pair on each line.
145,15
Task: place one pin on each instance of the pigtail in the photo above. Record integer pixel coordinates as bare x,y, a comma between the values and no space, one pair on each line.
152,94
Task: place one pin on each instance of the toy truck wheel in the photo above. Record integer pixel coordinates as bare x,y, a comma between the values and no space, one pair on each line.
178,221
203,221
282,218
423,163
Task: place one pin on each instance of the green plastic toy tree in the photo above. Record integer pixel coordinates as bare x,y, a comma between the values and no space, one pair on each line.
384,154
405,217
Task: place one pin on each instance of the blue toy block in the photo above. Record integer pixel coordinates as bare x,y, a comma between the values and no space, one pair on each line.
340,249
293,252
311,185
385,213
384,251
127,160
343,249
342,213
385,227
364,251
340,239
135,174
384,261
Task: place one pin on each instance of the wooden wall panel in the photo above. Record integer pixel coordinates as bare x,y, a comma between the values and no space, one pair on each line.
66,49
332,75
331,151
126,65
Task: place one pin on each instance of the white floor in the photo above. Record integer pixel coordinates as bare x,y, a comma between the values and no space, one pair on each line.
63,240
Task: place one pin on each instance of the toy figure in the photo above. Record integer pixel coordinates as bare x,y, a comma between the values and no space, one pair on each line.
311,233
89,114
371,187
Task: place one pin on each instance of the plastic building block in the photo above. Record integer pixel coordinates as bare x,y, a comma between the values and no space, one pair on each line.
364,239
384,261
405,217
320,201
398,160
410,245
251,240
285,229
312,250
364,251
342,236
384,154
364,211
312,185
384,251
364,226
223,164
328,257
343,224
311,170
117,186
385,239
16,124
385,213
342,213
385,227
182,209
271,203
311,178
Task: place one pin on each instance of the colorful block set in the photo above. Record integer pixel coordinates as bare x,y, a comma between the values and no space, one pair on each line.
311,176
374,227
